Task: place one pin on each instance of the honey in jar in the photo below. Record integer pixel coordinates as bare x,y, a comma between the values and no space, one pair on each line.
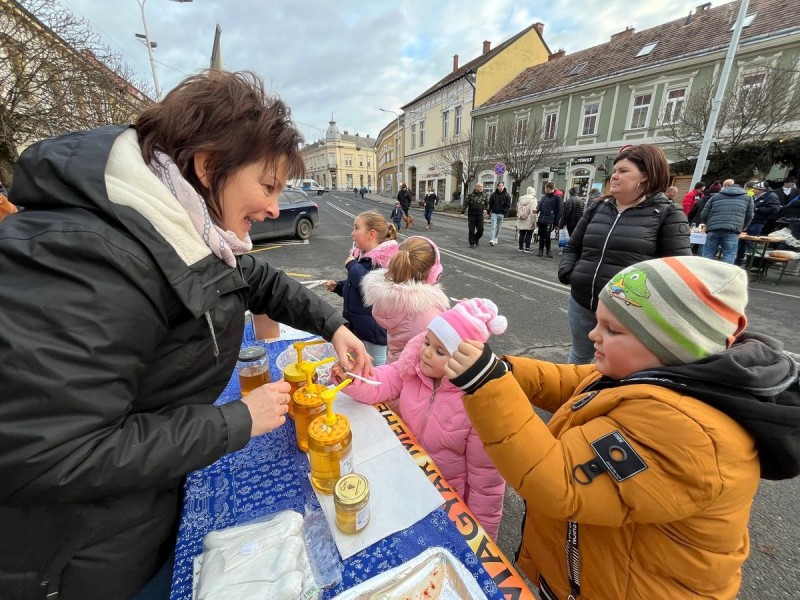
308,402
330,445
351,500
253,368
293,373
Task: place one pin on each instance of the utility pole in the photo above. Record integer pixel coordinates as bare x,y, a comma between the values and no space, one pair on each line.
717,102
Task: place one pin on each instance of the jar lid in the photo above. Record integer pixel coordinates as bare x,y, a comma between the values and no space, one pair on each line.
252,353
329,434
350,490
292,374
301,398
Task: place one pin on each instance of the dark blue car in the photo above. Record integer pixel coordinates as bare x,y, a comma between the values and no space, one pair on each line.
299,215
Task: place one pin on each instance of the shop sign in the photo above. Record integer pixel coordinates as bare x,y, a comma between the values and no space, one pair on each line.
583,160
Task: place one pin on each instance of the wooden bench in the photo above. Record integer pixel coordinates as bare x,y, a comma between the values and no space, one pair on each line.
768,261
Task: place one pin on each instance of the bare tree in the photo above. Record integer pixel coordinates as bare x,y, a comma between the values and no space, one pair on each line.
461,156
56,76
755,108
523,147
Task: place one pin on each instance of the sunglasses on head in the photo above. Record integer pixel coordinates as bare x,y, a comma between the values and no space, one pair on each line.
627,147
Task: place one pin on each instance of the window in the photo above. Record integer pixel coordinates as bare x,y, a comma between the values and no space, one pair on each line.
457,125
491,135
550,125
369,163
360,162
641,108
520,130
578,68
348,160
647,49
751,87
445,124
413,136
421,133
590,112
674,105
748,20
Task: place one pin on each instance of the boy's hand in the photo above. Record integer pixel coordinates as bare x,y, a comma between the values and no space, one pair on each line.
467,353
330,285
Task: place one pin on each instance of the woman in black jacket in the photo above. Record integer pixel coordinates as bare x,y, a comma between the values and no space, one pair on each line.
635,222
125,286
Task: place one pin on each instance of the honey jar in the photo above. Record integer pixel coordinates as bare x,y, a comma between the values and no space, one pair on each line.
308,402
253,367
351,500
330,445
293,373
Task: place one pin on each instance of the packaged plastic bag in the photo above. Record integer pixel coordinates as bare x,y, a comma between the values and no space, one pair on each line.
563,238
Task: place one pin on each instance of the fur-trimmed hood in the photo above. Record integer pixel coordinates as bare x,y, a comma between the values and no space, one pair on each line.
381,254
408,297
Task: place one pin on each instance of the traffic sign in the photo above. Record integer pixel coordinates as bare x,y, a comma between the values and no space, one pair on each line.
499,168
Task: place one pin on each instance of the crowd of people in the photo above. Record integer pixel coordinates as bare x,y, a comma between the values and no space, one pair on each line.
127,273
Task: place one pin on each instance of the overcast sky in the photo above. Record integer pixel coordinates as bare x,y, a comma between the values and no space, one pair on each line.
352,57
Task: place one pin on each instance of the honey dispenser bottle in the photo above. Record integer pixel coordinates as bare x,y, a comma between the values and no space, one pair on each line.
293,373
308,402
330,445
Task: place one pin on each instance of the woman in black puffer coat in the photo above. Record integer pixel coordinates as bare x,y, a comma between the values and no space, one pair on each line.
635,222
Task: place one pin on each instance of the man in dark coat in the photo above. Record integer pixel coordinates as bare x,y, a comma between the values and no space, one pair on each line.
573,211
476,206
765,210
404,198
499,204
726,215
788,192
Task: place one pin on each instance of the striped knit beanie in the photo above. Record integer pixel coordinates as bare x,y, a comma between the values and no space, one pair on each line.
474,319
682,308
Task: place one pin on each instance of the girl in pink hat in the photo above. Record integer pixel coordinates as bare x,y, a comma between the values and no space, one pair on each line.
418,390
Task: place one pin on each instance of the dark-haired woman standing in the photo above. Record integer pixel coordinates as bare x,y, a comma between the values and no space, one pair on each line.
124,287
635,222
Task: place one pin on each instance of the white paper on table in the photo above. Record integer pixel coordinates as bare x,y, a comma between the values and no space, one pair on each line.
290,333
392,474
400,495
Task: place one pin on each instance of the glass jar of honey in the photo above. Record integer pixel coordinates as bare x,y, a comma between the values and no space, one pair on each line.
308,405
351,500
330,451
294,374
253,368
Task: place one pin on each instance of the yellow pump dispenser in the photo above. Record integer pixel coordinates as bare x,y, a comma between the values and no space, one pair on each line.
330,444
308,402
293,373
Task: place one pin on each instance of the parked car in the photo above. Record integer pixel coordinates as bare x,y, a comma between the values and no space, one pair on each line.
299,215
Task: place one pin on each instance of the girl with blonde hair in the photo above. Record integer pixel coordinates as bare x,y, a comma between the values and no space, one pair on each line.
405,296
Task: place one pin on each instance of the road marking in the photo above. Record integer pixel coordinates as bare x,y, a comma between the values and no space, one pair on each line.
785,295
298,274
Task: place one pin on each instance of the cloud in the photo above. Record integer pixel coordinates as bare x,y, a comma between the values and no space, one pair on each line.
353,57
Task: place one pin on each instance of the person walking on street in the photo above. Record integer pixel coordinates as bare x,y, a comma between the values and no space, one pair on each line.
549,214
726,215
499,204
573,211
476,206
363,191
526,217
397,215
431,200
404,197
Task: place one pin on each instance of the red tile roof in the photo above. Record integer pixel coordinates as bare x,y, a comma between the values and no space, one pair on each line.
701,32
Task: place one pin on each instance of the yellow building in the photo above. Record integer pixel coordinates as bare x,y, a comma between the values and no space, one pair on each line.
442,114
390,159
341,161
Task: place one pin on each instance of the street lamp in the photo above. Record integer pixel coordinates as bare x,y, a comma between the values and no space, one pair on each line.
400,148
145,39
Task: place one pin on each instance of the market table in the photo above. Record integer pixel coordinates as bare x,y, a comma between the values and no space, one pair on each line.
271,474
758,244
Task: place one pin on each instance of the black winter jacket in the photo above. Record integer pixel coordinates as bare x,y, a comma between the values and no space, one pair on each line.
731,210
549,210
606,241
118,331
500,202
765,208
572,213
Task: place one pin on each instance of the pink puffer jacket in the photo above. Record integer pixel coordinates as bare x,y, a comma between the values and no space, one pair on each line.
439,422
402,309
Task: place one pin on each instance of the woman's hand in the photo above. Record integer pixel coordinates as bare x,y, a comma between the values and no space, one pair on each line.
330,285
351,352
268,406
466,355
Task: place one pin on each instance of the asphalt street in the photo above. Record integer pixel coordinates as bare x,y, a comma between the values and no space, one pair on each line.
527,292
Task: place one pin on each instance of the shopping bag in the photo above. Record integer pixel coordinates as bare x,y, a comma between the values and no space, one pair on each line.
563,238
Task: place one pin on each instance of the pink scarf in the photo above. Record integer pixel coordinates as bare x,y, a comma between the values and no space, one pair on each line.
224,244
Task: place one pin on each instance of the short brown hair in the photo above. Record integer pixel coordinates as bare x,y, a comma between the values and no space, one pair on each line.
413,261
651,161
227,114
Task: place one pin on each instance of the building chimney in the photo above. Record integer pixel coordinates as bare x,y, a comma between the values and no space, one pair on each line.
487,45
629,31
345,132
455,63
539,27
702,7
556,55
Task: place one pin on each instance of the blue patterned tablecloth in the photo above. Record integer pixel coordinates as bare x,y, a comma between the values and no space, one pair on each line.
269,475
